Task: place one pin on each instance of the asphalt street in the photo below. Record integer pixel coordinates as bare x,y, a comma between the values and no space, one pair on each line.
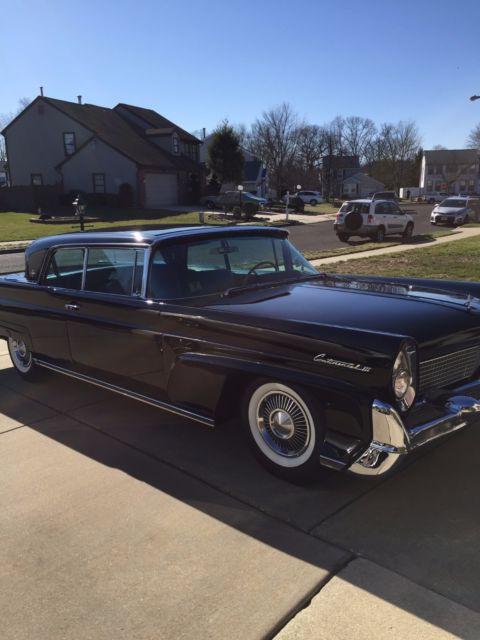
307,237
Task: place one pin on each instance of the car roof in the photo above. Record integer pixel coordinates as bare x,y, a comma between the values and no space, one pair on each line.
150,237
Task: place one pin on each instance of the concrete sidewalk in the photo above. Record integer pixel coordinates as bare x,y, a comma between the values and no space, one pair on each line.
121,521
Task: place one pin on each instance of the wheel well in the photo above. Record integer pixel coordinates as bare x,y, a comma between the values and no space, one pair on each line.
231,396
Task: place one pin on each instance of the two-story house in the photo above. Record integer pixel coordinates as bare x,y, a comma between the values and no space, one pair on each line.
450,170
336,169
92,149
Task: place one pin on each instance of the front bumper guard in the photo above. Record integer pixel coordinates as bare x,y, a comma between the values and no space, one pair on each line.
391,439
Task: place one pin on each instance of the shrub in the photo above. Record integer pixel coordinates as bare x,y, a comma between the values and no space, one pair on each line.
298,204
250,209
237,212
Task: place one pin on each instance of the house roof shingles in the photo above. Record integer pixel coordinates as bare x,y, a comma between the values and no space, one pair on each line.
112,129
451,156
156,121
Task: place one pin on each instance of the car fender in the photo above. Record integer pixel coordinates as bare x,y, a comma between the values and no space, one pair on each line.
214,385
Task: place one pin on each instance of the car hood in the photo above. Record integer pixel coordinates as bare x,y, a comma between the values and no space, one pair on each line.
427,314
447,210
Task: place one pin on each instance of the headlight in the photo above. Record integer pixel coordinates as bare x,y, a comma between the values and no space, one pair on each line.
404,376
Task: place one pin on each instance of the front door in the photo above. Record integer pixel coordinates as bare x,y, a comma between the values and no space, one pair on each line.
114,334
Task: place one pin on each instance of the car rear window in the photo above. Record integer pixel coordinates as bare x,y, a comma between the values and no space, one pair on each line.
356,207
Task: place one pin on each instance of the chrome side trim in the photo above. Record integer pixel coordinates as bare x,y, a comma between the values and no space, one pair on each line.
391,439
209,422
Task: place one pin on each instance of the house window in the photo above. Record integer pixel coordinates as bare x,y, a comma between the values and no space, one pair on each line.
69,143
176,144
36,179
98,182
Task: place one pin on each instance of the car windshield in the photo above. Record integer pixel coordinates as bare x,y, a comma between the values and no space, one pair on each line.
214,266
453,203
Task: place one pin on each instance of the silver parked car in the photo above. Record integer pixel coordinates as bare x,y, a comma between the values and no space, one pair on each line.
453,211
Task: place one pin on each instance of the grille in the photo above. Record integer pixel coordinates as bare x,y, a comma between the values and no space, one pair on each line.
445,370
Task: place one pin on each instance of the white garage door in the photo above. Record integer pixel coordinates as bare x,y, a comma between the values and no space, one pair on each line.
160,190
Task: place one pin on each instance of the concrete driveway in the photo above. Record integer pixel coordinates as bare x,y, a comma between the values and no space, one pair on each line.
120,521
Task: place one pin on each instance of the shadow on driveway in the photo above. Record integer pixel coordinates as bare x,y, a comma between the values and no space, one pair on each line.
423,522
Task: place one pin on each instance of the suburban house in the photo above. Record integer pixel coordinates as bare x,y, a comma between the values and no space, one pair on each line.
3,173
97,150
450,170
360,185
334,170
254,171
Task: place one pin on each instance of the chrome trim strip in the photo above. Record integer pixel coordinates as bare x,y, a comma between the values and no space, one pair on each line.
146,270
86,253
209,422
391,439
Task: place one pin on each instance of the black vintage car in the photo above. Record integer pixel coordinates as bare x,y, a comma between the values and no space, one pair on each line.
345,372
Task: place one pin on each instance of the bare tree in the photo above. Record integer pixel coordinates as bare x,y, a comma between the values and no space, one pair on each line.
357,135
473,140
5,118
396,146
311,147
274,138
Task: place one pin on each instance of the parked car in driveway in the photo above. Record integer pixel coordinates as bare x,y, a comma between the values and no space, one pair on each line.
308,197
434,196
343,372
374,219
231,199
453,211
385,195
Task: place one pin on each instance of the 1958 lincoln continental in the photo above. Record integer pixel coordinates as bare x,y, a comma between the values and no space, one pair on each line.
345,372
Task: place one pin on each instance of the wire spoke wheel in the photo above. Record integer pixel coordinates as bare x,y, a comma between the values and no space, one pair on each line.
281,425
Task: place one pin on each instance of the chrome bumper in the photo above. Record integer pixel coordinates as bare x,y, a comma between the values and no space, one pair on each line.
391,439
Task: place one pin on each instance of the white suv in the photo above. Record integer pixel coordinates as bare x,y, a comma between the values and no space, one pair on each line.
372,218
308,197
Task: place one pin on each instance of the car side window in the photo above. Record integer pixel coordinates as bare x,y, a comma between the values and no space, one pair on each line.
381,207
395,209
65,269
114,270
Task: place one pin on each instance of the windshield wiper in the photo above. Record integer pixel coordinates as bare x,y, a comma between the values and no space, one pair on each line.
270,283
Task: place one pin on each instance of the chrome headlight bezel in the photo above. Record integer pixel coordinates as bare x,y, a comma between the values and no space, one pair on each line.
404,376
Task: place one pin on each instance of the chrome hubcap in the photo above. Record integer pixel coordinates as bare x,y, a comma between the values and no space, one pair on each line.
283,424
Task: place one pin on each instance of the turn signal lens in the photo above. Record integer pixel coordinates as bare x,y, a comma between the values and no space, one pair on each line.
403,376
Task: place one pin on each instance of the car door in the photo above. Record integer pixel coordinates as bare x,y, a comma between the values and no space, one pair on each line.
397,218
60,283
381,215
115,335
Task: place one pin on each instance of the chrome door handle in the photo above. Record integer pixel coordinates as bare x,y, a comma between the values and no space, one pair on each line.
72,306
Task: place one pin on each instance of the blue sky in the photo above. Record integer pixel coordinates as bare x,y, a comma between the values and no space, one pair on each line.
200,62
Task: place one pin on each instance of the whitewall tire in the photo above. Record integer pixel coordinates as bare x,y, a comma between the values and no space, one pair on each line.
283,425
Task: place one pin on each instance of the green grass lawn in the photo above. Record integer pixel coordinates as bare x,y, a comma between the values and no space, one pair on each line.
325,207
457,260
17,226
